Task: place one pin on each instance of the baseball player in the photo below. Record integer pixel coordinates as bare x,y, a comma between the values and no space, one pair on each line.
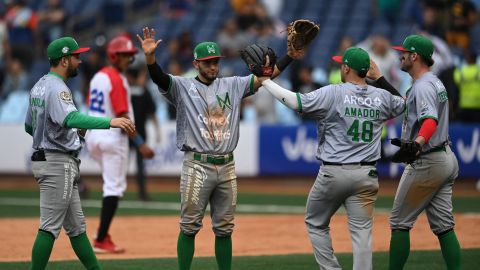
427,183
109,96
208,116
52,120
350,117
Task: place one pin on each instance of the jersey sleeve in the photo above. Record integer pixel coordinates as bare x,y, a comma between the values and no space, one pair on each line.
28,119
245,84
317,103
425,101
118,95
60,105
171,93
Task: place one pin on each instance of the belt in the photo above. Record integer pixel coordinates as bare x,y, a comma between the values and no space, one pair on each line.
440,148
362,163
213,159
40,154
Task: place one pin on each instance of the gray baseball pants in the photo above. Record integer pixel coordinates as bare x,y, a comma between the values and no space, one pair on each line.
59,199
355,187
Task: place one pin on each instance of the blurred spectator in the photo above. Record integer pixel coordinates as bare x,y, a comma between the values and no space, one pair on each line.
246,15
177,8
93,62
231,40
16,79
180,49
467,78
52,21
22,24
431,16
380,51
274,7
307,84
143,109
334,74
463,16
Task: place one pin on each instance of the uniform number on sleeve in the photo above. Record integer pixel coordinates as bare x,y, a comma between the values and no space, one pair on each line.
366,132
96,101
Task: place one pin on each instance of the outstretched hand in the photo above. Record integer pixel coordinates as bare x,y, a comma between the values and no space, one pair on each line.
123,123
149,45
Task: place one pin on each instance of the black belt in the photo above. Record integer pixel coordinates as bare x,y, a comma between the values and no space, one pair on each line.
362,163
216,160
40,154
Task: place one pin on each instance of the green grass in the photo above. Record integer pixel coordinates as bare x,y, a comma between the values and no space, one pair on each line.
431,260
461,204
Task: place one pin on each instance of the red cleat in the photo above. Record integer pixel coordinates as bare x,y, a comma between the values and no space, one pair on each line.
106,246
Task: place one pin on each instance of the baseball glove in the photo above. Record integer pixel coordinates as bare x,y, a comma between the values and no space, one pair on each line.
300,34
255,56
408,152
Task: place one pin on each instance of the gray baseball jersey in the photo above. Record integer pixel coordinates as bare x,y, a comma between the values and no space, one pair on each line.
352,118
208,116
50,102
427,98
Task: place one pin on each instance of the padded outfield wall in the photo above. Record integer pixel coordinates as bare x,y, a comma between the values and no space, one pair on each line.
262,150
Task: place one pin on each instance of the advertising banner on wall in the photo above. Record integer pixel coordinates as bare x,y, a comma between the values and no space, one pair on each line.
16,148
291,150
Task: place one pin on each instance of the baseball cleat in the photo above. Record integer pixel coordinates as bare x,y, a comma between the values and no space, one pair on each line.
106,246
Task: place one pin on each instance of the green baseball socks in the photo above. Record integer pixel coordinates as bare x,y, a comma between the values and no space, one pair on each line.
186,249
450,250
82,247
42,248
400,249
223,252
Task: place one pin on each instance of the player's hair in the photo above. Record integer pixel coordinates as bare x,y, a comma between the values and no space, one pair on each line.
429,62
361,74
55,62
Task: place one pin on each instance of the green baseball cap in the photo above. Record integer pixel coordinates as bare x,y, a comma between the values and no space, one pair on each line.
417,44
356,58
207,50
62,47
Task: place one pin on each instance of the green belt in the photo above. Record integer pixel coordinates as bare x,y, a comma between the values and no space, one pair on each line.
216,160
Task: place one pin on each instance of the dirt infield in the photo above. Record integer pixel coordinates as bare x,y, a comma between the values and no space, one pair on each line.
153,237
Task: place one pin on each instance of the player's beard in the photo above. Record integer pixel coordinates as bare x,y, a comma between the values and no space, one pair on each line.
405,64
207,76
71,71
342,76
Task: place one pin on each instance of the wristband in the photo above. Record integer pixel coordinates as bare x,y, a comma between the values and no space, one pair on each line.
138,140
284,62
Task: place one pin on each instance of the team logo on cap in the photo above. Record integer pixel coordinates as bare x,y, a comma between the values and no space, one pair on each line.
195,55
65,49
210,49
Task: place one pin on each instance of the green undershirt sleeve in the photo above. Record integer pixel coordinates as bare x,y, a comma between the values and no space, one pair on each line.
80,120
29,129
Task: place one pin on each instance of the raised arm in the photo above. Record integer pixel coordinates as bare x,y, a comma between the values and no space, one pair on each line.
149,46
287,97
380,81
